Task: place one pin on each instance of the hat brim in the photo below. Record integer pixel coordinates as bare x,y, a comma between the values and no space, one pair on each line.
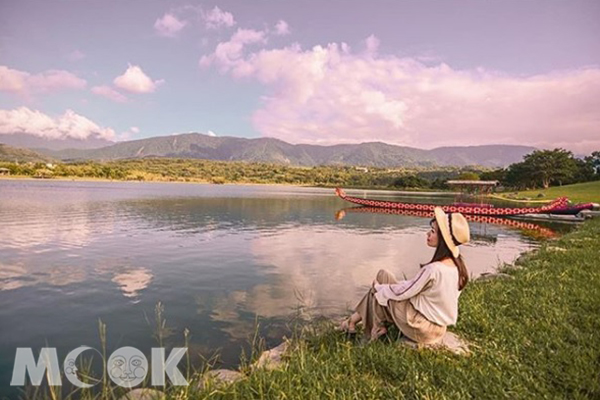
444,229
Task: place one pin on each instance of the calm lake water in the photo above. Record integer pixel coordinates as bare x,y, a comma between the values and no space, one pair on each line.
220,258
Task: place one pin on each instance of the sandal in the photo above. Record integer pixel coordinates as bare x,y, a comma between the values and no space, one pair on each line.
378,332
345,328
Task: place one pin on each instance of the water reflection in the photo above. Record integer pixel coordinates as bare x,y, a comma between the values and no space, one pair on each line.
217,257
327,270
542,232
15,276
133,281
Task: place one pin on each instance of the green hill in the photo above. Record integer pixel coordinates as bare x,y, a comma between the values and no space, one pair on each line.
16,154
578,192
270,150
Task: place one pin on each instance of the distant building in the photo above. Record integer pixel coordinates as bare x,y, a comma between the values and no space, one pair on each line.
477,187
363,169
4,171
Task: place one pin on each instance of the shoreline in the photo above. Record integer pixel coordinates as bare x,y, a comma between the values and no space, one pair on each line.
514,354
532,332
90,179
347,188
510,348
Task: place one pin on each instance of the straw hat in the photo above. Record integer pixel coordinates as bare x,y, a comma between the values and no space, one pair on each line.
454,229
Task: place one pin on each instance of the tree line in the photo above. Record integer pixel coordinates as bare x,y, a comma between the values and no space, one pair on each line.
219,172
545,168
542,168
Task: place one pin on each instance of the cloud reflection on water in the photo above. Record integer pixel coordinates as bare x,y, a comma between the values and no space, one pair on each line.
326,270
272,253
133,281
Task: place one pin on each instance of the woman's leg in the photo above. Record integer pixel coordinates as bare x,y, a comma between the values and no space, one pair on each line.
349,324
372,314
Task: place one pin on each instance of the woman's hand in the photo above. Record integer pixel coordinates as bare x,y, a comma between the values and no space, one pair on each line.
374,283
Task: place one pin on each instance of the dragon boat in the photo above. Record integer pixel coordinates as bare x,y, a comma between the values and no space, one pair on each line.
558,206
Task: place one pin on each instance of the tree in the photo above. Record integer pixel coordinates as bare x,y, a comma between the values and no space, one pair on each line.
518,176
495,175
585,170
410,181
469,176
439,183
594,162
550,166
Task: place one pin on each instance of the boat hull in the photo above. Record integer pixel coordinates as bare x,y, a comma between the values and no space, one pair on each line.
560,205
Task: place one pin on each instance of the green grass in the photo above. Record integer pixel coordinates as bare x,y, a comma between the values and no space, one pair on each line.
578,192
534,336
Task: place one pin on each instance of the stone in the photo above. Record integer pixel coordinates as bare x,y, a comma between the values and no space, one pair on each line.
511,267
587,214
271,359
488,276
220,377
450,342
143,394
523,258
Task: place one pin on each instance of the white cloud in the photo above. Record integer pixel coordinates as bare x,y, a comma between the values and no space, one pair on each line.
12,80
230,54
211,133
169,25
372,44
329,95
68,125
134,80
76,55
282,28
216,18
26,84
128,134
109,93
54,80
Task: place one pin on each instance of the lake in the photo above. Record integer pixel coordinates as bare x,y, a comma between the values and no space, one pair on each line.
220,258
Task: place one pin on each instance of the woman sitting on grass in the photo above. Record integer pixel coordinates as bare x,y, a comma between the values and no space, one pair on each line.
424,306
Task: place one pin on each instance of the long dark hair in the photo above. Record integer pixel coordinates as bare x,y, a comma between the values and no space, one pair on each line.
442,251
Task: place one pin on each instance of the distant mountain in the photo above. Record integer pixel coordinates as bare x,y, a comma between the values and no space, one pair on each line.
375,154
496,155
15,154
37,142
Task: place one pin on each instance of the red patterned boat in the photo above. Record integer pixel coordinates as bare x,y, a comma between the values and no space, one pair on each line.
558,206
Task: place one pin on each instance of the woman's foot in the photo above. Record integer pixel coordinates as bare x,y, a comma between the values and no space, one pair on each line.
347,326
378,332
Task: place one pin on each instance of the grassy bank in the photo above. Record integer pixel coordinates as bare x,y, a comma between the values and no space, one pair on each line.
578,192
534,336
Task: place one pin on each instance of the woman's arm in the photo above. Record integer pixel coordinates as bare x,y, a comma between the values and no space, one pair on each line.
403,290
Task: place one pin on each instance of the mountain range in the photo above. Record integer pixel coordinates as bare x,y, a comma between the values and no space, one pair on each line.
17,154
270,150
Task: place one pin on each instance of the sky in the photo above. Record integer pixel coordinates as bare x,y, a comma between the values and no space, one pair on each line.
414,73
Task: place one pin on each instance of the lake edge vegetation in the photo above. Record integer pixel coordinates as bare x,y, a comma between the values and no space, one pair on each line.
533,335
539,169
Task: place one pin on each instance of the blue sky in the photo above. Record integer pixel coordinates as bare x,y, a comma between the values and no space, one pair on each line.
422,74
